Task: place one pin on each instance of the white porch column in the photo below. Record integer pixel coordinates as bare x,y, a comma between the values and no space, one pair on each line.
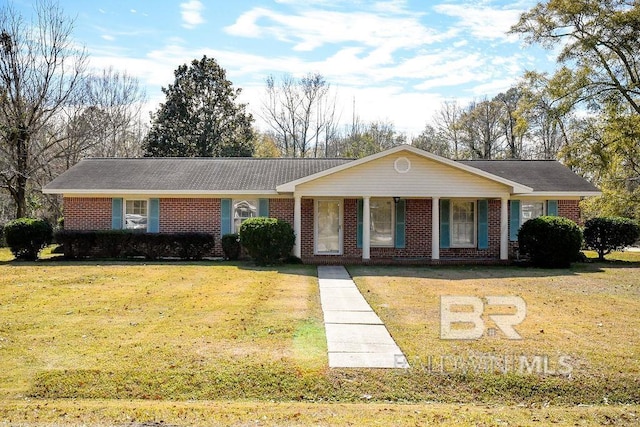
504,228
435,228
297,225
366,229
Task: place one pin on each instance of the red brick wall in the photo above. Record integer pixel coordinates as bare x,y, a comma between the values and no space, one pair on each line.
570,209
417,233
306,224
566,208
493,251
87,213
190,215
282,209
203,215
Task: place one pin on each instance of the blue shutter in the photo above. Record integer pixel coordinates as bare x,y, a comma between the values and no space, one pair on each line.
153,224
359,227
514,220
116,214
552,207
483,224
400,220
263,207
445,237
225,216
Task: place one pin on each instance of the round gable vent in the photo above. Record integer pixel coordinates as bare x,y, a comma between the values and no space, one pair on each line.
402,165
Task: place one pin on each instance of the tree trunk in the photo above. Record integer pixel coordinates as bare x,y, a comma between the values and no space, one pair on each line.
22,152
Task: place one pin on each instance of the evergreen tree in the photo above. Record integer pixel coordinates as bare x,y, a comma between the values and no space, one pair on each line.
200,117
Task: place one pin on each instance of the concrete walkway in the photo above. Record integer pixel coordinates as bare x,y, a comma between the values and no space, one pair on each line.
356,337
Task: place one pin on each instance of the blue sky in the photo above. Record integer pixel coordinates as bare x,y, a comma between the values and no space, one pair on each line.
399,59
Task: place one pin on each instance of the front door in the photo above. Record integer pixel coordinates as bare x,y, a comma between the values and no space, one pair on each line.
328,227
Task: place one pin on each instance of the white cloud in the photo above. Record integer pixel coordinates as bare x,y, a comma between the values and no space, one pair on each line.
108,37
191,12
311,29
394,63
485,23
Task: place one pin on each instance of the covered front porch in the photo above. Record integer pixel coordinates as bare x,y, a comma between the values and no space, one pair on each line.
404,230
432,209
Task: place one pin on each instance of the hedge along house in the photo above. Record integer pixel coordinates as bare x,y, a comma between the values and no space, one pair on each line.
403,204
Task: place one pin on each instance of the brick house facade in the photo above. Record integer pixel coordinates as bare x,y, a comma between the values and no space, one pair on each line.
402,205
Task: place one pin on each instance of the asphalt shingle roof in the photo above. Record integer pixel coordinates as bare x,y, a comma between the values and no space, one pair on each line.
259,174
189,174
541,175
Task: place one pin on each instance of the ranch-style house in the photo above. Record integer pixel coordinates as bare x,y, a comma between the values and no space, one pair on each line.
400,205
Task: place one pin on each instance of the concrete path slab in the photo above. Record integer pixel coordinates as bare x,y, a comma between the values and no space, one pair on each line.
356,337
352,317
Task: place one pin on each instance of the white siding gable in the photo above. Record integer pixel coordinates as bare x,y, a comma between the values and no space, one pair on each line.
383,177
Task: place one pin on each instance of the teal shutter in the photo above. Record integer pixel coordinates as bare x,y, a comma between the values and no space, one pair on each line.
153,224
445,237
359,227
400,219
225,216
552,207
263,207
483,224
116,214
514,220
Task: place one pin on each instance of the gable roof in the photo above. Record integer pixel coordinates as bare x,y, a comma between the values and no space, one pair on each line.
515,186
193,176
185,175
543,176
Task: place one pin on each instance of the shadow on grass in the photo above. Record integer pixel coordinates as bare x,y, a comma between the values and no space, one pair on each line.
461,272
61,261
285,381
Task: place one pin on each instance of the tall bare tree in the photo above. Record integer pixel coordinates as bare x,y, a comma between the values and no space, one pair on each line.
40,71
116,99
447,122
481,129
432,140
512,123
302,114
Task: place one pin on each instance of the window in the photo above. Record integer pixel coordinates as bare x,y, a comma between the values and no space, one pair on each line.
381,217
530,210
242,210
135,215
463,223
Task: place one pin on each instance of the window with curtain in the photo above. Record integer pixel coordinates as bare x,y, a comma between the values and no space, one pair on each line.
381,218
463,223
135,215
243,210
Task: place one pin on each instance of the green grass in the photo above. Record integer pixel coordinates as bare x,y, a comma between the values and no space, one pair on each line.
587,313
228,343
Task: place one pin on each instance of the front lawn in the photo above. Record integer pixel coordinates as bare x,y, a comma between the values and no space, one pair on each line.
580,337
227,343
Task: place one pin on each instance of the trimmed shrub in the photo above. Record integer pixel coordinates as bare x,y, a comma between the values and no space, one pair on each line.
231,246
26,237
550,241
267,240
191,245
127,244
606,234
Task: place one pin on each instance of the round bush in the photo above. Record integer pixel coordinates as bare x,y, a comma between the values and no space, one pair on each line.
550,241
267,240
231,246
26,237
606,234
